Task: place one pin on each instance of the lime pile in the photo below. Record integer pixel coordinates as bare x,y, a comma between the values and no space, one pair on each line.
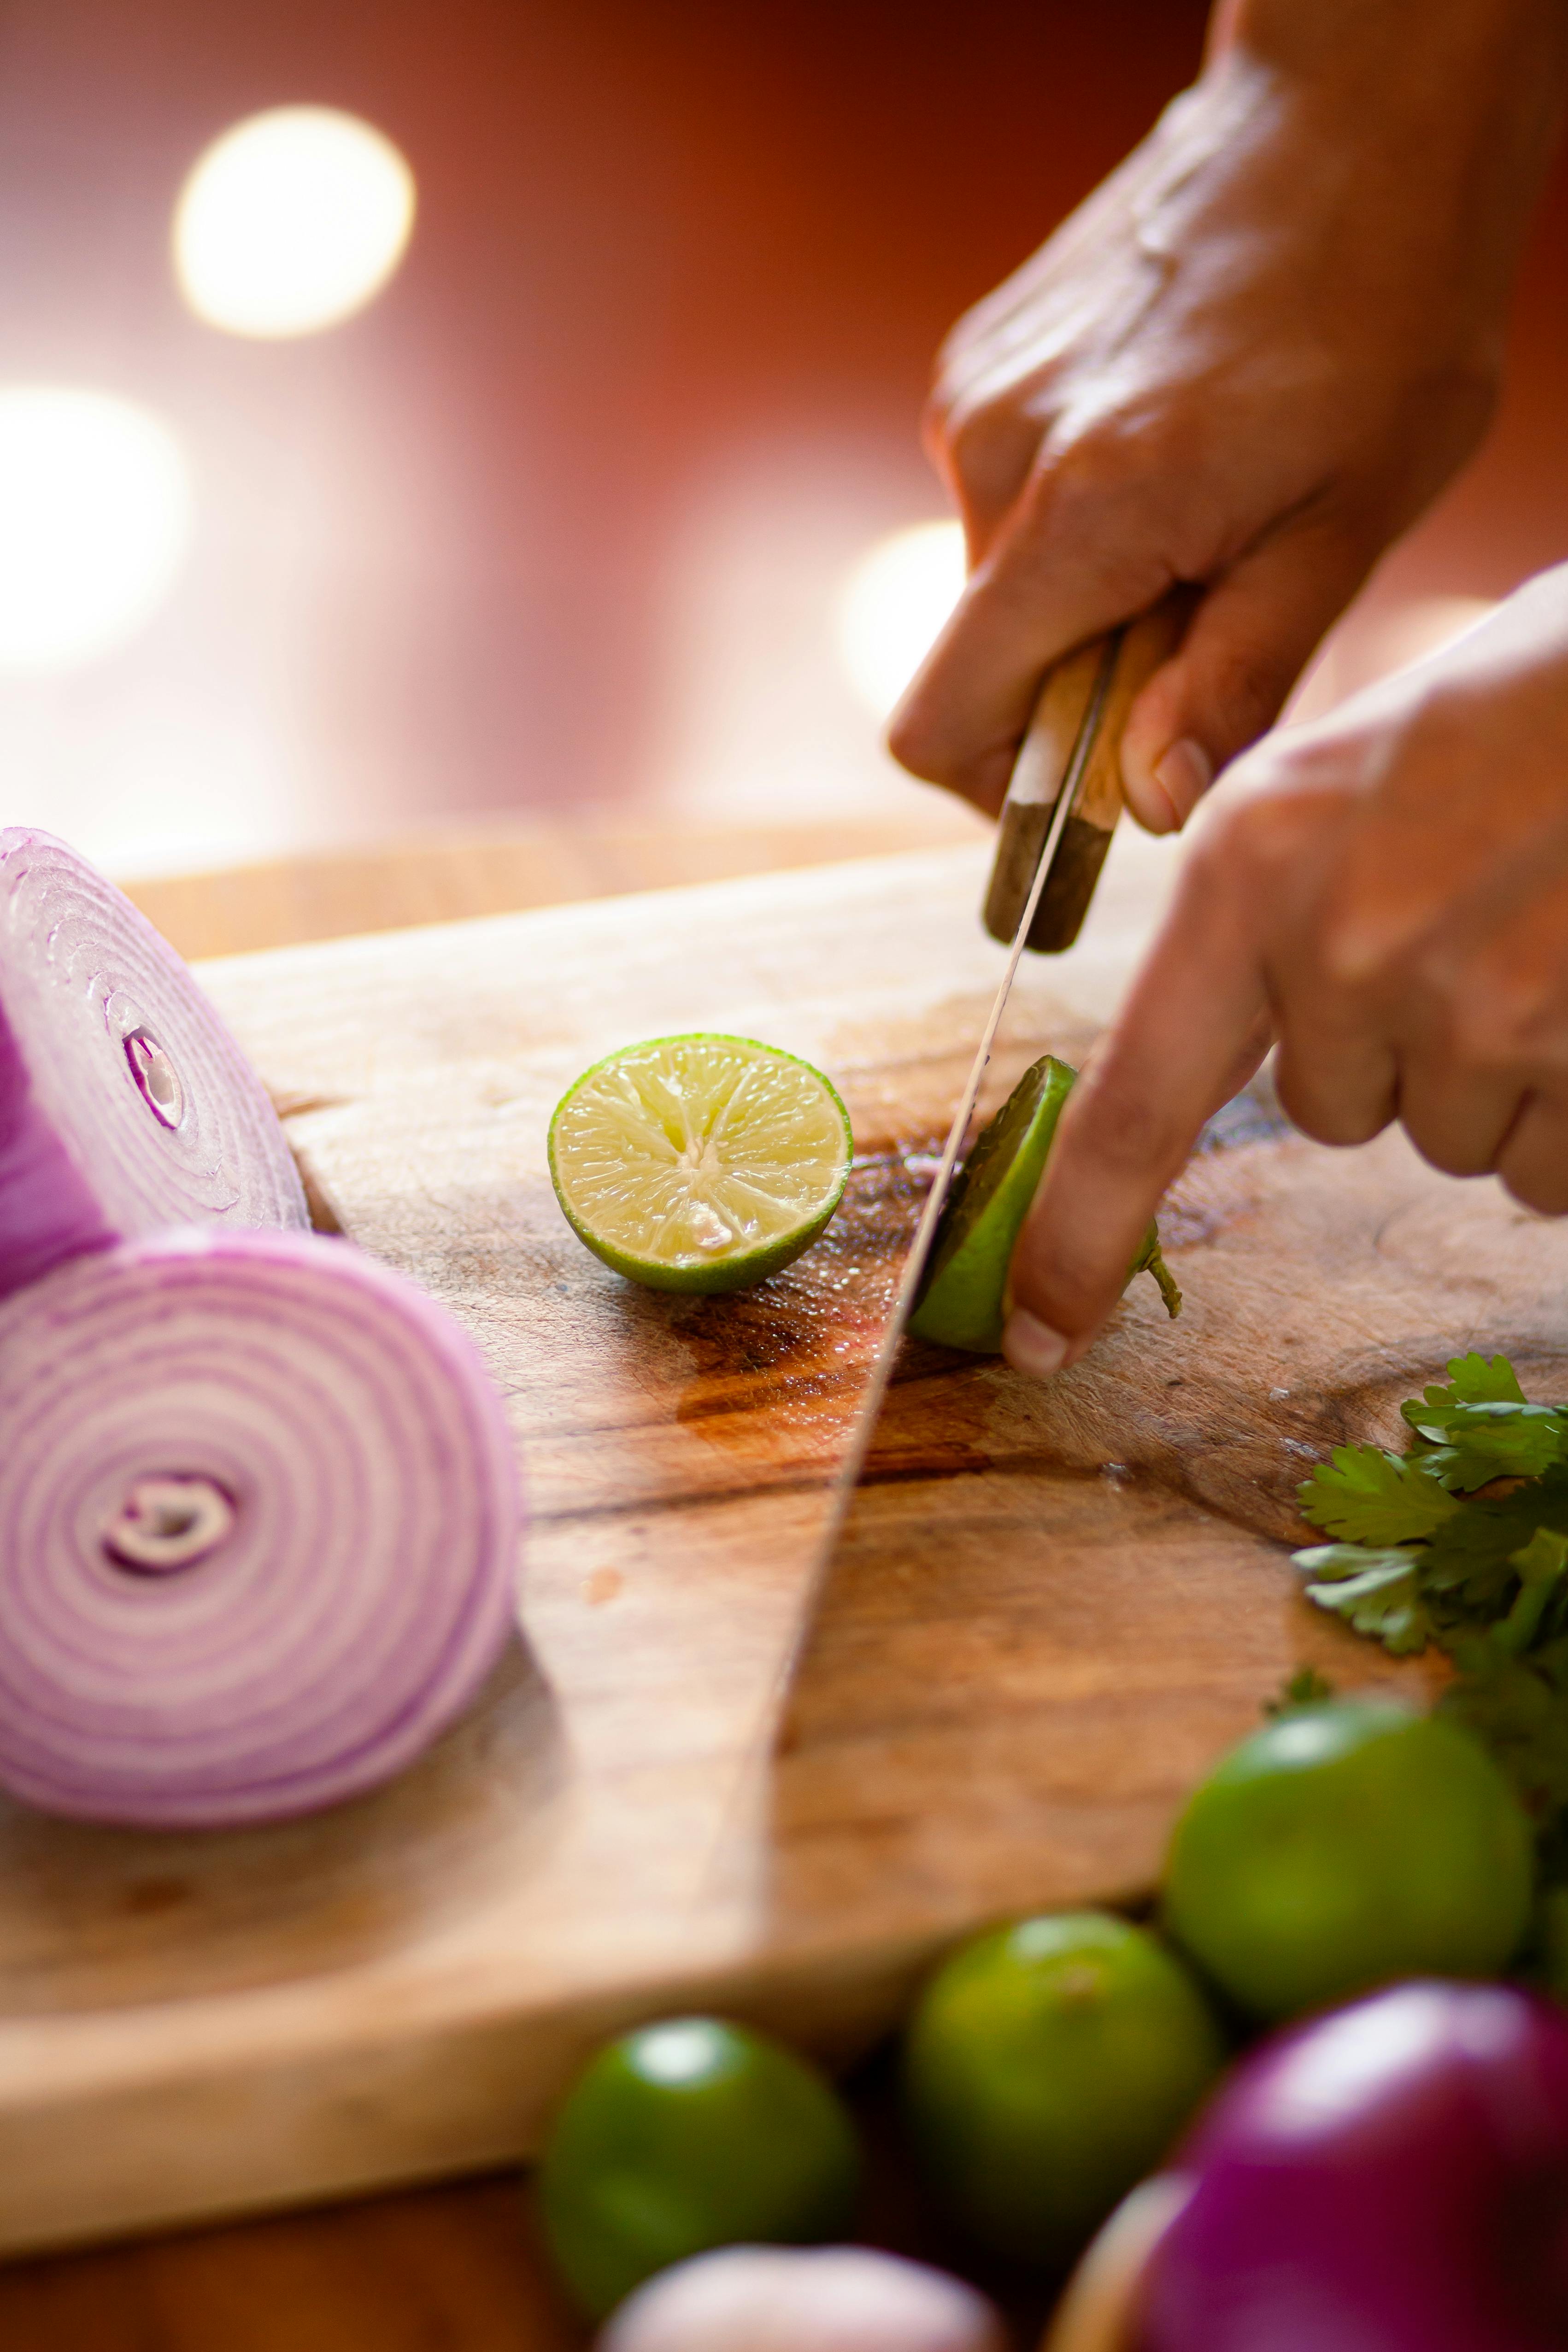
1051,2063
700,1163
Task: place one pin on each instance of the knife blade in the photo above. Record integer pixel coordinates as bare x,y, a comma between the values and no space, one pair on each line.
1063,800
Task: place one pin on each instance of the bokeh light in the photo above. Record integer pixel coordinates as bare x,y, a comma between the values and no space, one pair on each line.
892,606
95,518
291,221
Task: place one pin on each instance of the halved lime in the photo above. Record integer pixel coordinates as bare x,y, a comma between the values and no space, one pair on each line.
700,1163
962,1299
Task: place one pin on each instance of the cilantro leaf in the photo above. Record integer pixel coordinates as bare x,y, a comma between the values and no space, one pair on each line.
1471,1556
1332,1563
1366,1495
1473,1380
1377,1592
1475,1443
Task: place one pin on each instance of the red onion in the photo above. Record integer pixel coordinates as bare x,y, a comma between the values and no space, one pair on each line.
258,1528
1390,2177
125,1106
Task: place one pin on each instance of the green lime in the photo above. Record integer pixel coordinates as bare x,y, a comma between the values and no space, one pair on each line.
700,1163
1344,1845
1047,2068
963,1298
685,2136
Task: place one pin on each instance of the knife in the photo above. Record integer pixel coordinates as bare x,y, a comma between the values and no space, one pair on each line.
1063,801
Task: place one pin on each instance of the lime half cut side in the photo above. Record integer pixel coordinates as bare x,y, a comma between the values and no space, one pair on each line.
963,1298
700,1163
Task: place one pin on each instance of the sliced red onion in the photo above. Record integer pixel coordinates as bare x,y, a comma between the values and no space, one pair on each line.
125,1104
1390,2177
258,1528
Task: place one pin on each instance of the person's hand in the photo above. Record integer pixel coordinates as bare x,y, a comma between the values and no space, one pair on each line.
1385,892
1249,362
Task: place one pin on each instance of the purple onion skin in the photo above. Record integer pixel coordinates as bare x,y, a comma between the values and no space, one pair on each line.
88,1157
1390,2177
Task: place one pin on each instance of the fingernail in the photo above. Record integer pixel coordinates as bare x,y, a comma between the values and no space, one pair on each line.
1159,812
1184,774
1031,1346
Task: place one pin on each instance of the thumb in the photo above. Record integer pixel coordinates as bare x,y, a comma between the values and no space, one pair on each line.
1246,646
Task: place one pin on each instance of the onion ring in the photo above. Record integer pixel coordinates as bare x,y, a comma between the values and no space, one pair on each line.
125,1104
260,1518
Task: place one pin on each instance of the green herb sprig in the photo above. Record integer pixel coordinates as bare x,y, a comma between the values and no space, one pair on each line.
1463,1542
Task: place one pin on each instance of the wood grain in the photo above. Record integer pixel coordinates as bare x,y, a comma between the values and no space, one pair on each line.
1060,1604
444,878
420,2273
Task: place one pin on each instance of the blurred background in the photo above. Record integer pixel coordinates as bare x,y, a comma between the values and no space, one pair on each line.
553,451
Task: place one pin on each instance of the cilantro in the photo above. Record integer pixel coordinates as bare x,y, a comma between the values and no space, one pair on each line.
1471,1555
1540,1564
1472,1443
1422,1556
1473,1380
1376,1591
1519,1708
1366,1495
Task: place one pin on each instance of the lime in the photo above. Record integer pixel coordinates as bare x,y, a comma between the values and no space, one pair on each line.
1049,2066
962,1299
700,1163
1345,1844
685,2136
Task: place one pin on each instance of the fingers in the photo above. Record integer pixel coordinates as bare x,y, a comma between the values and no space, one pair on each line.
1093,538
1193,1029
1248,644
986,458
1080,551
1337,1078
1533,1158
1458,1118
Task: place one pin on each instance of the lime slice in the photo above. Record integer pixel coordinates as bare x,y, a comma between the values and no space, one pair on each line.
700,1163
963,1298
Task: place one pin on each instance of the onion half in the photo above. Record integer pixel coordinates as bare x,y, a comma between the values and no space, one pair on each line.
259,1517
125,1106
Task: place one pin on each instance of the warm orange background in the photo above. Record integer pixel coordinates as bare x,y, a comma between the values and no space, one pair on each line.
663,330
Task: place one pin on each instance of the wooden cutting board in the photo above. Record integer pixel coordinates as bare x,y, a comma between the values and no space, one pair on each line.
1060,1602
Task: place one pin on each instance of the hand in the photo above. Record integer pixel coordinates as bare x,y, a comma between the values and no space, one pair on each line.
1387,894
1248,361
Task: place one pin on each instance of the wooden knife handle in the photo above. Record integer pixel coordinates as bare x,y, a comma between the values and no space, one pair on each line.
1137,651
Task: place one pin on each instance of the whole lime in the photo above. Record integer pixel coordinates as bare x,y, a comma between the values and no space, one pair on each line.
1344,1845
687,2135
1048,2067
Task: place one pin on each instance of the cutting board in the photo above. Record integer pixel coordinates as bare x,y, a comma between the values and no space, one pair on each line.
1058,1603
